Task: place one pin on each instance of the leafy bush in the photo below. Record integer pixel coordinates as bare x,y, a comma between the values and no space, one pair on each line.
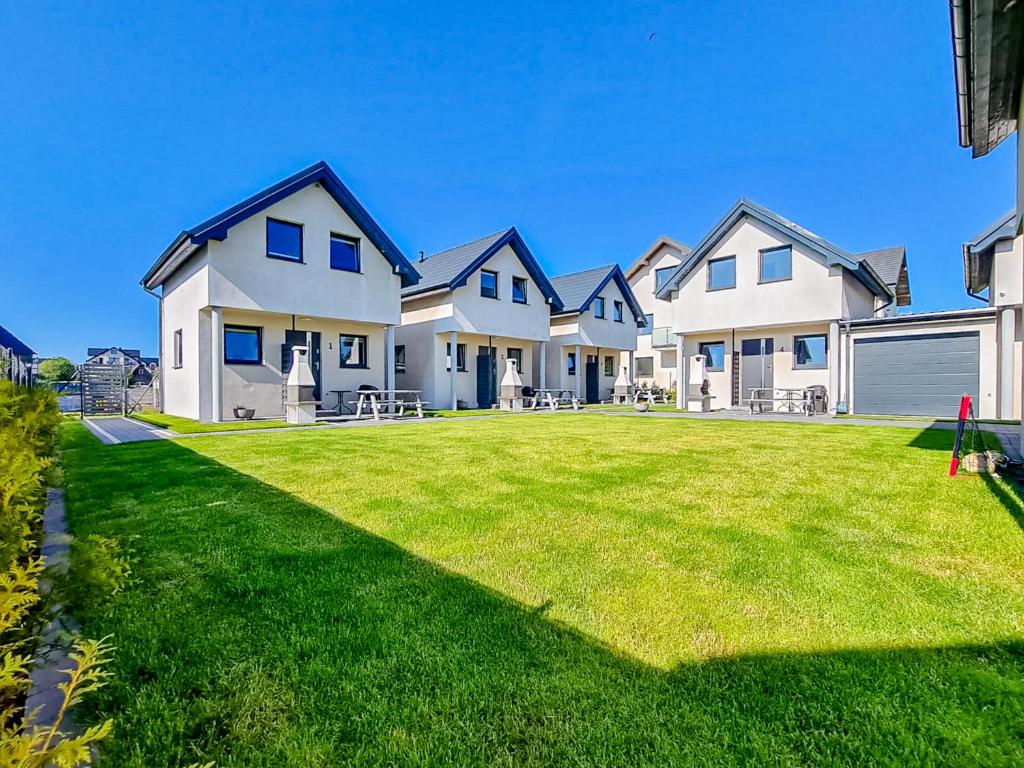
29,420
55,369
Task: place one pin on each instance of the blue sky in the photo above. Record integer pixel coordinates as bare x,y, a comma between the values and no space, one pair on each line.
593,128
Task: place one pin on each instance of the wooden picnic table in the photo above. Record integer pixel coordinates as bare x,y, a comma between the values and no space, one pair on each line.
551,398
388,398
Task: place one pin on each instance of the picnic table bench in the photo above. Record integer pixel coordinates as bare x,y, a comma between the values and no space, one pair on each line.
379,399
552,398
792,399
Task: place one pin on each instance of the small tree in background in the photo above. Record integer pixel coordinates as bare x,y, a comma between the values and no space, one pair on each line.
55,369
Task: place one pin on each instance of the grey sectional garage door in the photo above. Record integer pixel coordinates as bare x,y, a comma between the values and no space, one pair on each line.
915,375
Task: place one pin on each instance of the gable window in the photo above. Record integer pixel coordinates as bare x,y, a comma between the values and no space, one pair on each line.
344,253
488,284
648,327
617,311
284,240
352,351
514,353
177,348
571,363
644,367
243,345
599,307
810,351
776,264
460,357
722,273
519,290
714,354
609,365
661,277
399,358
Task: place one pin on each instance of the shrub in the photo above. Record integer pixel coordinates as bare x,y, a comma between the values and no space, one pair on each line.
29,420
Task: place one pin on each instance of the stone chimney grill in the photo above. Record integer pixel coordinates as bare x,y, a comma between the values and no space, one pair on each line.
300,405
511,395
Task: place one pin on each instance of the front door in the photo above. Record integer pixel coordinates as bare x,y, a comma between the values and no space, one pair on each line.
593,391
303,339
756,357
486,377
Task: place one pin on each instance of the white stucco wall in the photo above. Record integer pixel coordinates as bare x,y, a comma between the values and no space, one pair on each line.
642,281
186,293
605,332
814,293
243,277
1007,283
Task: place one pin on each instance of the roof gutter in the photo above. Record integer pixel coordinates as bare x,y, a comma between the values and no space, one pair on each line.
960,23
967,274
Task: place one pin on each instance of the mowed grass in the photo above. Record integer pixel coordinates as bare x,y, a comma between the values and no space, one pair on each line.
183,426
559,590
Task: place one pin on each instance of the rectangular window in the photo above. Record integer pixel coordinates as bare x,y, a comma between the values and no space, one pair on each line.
177,349
460,357
514,353
722,273
648,327
599,307
661,277
644,367
810,351
714,351
399,358
617,311
609,365
776,264
352,351
571,363
344,253
243,345
519,290
284,240
488,284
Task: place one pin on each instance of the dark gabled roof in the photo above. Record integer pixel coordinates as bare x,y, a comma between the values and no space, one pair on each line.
217,227
890,264
451,269
833,254
579,289
94,351
980,251
988,42
18,347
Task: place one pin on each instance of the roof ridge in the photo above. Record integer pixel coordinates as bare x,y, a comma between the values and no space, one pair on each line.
495,235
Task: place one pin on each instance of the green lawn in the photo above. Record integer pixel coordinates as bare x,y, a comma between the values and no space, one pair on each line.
183,426
557,591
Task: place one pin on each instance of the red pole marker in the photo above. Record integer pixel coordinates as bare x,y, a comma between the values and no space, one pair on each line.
965,408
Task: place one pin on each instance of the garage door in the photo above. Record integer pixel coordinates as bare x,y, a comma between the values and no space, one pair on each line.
915,375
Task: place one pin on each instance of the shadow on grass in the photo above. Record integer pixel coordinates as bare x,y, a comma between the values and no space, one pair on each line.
264,632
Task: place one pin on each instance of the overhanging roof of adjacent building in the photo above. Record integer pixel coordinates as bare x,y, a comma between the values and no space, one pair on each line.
17,347
451,268
578,290
980,252
832,254
890,264
185,244
988,40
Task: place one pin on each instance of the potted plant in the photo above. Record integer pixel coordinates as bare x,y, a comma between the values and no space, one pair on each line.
241,412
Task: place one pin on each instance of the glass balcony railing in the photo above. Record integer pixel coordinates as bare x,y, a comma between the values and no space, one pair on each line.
663,337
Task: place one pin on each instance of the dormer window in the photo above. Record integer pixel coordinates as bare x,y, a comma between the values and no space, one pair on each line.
284,240
776,264
488,284
599,307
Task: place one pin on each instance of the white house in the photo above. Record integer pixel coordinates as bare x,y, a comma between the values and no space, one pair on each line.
478,305
655,359
764,300
595,327
989,74
16,359
300,263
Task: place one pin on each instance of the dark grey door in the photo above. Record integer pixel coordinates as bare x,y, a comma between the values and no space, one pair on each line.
486,377
756,366
915,375
592,381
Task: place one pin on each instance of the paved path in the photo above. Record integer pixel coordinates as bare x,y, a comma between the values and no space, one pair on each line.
125,430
